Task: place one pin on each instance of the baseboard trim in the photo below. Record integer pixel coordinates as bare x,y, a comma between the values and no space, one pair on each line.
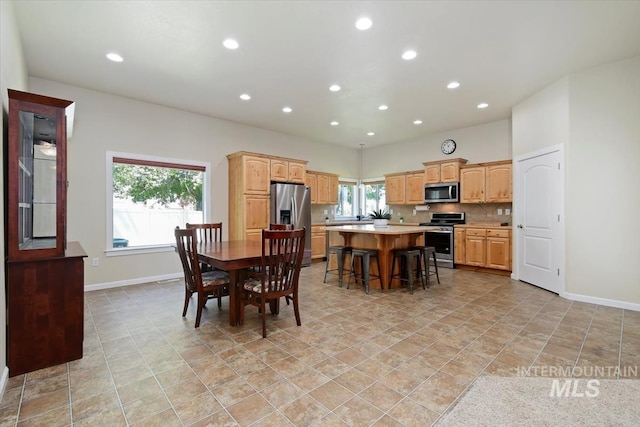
3,382
601,301
130,282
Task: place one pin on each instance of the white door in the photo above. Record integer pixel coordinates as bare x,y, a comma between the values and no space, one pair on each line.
539,219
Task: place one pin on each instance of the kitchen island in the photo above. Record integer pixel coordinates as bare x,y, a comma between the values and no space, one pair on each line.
384,239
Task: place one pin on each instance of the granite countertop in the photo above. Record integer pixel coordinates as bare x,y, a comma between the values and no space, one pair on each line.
335,223
484,225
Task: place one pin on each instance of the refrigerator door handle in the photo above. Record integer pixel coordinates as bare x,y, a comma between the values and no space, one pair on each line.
294,212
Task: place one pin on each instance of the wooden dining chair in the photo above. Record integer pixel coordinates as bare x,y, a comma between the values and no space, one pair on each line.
282,252
273,226
213,284
207,232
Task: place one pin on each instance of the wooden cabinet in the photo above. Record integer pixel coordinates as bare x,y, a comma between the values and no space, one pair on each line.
333,189
499,249
318,241
406,188
44,272
324,188
499,183
283,170
414,182
475,243
459,245
443,171
486,183
472,184
395,188
250,176
311,181
483,247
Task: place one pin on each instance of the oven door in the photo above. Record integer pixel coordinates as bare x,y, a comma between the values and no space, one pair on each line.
442,241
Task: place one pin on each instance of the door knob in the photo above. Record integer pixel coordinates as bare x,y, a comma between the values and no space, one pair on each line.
519,225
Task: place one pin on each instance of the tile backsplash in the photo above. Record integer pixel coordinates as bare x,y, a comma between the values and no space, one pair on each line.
482,212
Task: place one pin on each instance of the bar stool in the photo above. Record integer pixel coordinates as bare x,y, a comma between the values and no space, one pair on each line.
365,256
407,274
425,251
340,252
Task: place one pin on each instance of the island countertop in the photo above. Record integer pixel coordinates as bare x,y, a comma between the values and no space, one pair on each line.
390,229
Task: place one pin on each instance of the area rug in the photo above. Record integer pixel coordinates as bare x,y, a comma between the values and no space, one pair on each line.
544,401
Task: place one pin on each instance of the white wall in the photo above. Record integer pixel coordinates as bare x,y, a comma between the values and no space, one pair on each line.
105,122
596,115
13,75
603,182
483,143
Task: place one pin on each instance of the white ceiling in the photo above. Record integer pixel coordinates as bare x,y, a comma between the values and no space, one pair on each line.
292,51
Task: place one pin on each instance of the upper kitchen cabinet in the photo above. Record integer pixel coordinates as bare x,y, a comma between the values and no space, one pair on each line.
443,171
405,188
486,182
37,176
324,187
286,170
251,173
395,188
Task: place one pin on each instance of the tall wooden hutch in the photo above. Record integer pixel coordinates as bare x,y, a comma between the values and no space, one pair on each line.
44,272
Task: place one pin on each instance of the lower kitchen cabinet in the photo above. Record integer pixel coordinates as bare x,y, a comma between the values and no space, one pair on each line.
483,247
318,241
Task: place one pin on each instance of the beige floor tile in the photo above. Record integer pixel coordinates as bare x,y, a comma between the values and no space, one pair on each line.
381,396
198,407
44,403
250,410
113,418
95,405
357,411
58,417
411,414
331,394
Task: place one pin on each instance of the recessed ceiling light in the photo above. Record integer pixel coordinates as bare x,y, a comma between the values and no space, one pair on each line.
334,88
370,133
245,97
483,105
230,44
417,122
410,54
363,24
453,85
287,109
383,107
334,123
114,57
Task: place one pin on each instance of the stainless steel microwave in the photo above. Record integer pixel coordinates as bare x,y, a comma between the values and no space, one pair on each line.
443,192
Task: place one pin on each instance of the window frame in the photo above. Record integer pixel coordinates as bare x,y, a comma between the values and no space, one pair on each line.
359,202
143,159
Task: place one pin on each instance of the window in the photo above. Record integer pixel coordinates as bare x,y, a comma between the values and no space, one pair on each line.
354,200
374,197
347,199
147,197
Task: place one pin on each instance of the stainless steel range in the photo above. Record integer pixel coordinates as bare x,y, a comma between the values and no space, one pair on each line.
442,238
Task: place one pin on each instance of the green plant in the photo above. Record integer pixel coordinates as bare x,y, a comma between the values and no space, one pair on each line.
380,214
401,218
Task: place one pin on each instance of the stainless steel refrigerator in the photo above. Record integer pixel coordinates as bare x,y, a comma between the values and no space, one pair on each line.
291,204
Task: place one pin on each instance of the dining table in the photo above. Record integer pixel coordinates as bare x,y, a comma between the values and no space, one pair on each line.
385,239
234,257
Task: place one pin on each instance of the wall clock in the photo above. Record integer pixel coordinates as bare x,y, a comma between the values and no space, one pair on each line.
448,146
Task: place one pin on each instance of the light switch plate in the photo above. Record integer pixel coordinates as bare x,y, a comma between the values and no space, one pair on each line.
499,211
507,212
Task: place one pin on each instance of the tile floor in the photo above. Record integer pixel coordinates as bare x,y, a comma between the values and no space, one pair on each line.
383,359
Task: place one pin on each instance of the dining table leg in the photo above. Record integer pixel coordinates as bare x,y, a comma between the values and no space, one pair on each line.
234,297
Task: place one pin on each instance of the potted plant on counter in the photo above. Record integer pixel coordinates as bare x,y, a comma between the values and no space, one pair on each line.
380,218
401,219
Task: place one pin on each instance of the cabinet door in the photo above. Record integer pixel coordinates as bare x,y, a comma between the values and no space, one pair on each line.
323,189
499,183
475,248
395,186
311,180
333,190
450,172
318,241
256,175
415,189
432,174
459,249
279,170
498,253
256,212
472,182
297,172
